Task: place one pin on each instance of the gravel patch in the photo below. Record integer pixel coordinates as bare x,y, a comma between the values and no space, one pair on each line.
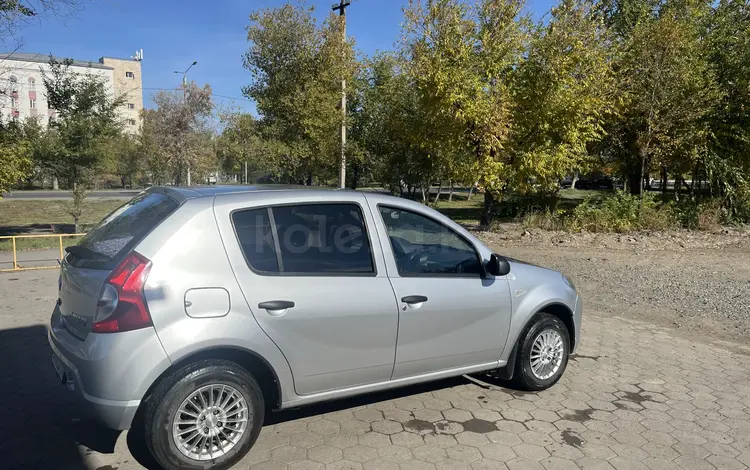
697,282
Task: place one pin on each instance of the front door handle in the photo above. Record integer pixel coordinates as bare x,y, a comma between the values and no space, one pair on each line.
276,305
414,299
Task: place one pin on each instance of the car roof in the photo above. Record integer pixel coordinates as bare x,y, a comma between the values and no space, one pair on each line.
181,193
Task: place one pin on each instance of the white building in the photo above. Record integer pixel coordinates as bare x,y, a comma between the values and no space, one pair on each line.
22,91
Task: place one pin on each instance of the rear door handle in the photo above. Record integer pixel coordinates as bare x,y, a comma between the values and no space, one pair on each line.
276,305
414,299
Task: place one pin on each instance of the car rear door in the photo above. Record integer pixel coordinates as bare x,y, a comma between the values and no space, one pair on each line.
312,271
450,317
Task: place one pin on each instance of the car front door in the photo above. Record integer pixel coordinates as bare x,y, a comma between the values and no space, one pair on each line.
314,276
450,316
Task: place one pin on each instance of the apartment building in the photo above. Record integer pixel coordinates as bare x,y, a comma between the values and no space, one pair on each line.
127,83
22,91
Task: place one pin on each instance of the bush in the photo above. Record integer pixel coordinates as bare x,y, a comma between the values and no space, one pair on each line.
707,215
620,213
546,220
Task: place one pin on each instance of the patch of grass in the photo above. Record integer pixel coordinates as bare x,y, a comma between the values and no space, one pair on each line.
546,220
581,194
14,213
25,244
36,217
462,210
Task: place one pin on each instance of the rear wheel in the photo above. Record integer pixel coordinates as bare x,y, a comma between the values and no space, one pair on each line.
206,414
543,353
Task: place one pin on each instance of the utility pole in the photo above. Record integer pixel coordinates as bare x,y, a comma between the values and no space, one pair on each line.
341,7
184,103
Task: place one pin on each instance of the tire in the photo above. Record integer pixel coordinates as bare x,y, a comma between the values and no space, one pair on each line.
173,392
525,377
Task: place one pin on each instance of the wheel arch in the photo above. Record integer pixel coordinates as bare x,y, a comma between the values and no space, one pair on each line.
565,314
557,309
249,360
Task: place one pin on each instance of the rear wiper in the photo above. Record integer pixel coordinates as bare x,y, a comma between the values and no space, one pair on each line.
86,253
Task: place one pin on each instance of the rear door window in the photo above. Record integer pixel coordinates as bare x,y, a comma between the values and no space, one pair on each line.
305,239
119,232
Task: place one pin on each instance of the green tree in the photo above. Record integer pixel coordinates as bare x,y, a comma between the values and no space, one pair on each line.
562,92
389,126
124,157
87,116
241,146
667,92
297,67
15,155
462,59
727,162
176,137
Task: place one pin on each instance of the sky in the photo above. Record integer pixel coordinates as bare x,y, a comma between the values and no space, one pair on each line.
174,33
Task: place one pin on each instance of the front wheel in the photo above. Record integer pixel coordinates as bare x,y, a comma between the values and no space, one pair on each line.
205,415
543,353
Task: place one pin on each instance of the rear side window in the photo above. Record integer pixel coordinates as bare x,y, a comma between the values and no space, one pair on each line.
120,231
305,239
254,232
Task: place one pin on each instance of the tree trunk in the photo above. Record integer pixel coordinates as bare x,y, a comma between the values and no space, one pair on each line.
692,183
634,182
677,187
643,175
440,188
489,209
576,176
424,194
55,183
471,189
309,179
354,177
664,181
450,192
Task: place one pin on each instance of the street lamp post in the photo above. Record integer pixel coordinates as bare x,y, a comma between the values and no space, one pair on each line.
341,7
184,101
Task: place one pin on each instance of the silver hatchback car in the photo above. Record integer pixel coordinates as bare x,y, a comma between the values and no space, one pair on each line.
198,310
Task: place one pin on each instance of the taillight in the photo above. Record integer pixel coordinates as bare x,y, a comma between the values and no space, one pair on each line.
121,305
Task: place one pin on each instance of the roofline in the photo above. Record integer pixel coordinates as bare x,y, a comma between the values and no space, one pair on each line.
181,193
119,58
37,58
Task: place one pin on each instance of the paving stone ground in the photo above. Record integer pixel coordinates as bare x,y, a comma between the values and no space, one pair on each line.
635,397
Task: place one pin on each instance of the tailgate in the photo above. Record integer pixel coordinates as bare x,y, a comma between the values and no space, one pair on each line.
88,264
79,293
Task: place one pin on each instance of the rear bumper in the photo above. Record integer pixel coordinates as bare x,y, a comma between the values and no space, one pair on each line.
111,372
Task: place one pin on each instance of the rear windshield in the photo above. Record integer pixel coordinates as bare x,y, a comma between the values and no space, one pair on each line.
120,231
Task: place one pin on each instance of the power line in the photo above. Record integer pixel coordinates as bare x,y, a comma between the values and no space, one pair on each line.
212,94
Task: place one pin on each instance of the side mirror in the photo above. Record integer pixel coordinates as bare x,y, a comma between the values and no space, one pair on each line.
497,266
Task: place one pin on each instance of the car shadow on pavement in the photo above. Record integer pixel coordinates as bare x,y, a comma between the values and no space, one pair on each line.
137,446
43,424
361,400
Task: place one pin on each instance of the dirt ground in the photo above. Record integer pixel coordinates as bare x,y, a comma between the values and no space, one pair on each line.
696,282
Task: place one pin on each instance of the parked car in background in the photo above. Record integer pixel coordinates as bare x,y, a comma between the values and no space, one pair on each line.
202,308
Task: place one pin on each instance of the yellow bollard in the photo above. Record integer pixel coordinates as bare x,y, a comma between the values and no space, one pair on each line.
15,261
61,249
